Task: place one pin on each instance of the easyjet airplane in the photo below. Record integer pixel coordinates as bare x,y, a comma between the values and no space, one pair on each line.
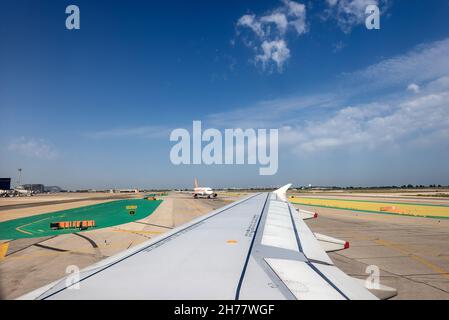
203,191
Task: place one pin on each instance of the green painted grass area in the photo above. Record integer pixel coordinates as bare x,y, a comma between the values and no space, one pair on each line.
105,215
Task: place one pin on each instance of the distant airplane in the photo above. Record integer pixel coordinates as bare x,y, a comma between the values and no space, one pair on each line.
21,191
203,191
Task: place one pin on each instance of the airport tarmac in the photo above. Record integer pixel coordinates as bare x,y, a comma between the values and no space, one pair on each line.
44,203
411,253
415,197
31,263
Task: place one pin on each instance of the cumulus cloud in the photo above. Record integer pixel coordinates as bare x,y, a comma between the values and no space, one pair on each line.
32,147
413,87
278,19
375,125
268,36
276,51
332,121
250,21
350,13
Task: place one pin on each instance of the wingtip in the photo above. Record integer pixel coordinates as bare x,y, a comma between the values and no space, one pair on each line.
282,191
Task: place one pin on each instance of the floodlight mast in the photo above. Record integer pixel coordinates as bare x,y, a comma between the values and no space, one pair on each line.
20,176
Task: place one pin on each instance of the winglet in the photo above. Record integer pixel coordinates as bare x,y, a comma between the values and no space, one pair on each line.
281,192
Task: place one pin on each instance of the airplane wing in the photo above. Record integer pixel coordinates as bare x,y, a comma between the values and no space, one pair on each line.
256,248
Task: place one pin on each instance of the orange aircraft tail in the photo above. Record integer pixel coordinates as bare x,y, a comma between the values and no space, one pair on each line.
196,183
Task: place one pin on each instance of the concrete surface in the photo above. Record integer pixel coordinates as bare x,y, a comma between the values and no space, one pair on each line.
411,253
32,263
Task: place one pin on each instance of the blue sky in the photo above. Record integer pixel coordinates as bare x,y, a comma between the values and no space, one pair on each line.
94,107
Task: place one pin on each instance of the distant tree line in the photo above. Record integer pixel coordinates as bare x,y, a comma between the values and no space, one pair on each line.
408,186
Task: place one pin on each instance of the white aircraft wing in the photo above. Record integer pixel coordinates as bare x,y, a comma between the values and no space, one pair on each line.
256,248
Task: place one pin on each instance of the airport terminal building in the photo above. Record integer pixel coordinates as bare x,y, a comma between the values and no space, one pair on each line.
5,183
36,188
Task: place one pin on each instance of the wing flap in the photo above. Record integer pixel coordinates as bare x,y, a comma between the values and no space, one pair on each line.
309,244
303,281
347,285
278,231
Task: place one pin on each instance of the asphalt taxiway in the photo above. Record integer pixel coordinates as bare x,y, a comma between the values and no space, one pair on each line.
27,264
412,253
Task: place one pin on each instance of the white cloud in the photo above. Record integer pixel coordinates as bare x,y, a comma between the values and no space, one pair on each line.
31,147
269,33
424,63
376,125
290,17
332,3
297,13
249,20
350,13
272,113
276,51
439,84
413,87
278,19
325,122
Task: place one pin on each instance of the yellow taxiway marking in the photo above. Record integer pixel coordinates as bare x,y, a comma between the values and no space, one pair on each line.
231,241
3,250
385,207
24,225
415,257
18,229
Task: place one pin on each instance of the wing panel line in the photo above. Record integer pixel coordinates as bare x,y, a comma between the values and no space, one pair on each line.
239,286
327,280
154,243
296,231
309,263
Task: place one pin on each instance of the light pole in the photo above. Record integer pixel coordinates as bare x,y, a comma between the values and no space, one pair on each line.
20,176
